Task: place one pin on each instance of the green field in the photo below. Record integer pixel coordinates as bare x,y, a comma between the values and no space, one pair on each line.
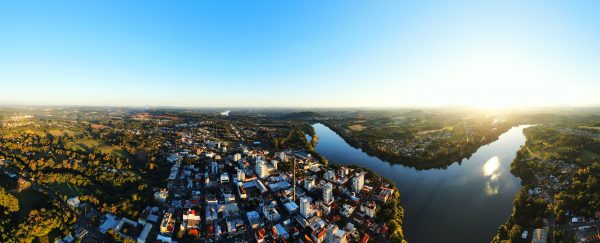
89,145
587,156
60,132
67,189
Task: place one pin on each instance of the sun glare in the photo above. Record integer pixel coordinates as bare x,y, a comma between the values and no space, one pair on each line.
491,166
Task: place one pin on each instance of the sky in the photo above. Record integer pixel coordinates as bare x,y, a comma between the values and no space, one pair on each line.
317,53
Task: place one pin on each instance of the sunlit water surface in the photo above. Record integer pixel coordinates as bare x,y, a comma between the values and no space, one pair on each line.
465,202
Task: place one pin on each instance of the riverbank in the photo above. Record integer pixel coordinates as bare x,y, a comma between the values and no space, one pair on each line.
557,166
453,200
440,158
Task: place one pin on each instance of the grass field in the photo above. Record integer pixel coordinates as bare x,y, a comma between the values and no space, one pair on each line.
357,127
67,189
587,156
59,132
89,145
30,199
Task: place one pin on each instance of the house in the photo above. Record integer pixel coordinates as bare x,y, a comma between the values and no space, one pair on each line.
161,195
191,222
74,202
539,236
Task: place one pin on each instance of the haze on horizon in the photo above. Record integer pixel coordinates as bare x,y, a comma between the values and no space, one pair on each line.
300,53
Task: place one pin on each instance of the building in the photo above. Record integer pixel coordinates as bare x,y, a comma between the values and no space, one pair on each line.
358,182
282,156
318,236
237,157
343,171
305,208
161,195
369,208
191,222
539,236
254,219
168,224
270,212
241,176
332,230
329,175
309,183
74,202
328,193
224,178
214,167
261,169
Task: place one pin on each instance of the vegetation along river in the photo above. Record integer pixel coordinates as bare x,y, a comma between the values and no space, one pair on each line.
465,202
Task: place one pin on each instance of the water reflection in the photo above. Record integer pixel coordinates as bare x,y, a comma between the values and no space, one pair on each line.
491,171
449,200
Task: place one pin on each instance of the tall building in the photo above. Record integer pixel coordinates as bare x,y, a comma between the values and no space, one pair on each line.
305,208
261,169
358,182
309,183
328,193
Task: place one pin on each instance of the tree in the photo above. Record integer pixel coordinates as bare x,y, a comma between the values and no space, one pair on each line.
10,202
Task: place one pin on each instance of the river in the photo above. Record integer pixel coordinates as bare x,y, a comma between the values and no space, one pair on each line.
465,202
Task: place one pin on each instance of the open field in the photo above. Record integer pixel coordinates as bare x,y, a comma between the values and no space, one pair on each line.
67,189
89,145
30,199
357,127
61,132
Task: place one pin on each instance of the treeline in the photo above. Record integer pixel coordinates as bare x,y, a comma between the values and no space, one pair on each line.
8,201
445,153
553,151
528,213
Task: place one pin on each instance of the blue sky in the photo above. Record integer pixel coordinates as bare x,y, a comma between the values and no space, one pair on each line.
300,53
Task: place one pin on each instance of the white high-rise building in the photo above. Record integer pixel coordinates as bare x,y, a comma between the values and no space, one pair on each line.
305,208
261,169
358,182
328,193
309,183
